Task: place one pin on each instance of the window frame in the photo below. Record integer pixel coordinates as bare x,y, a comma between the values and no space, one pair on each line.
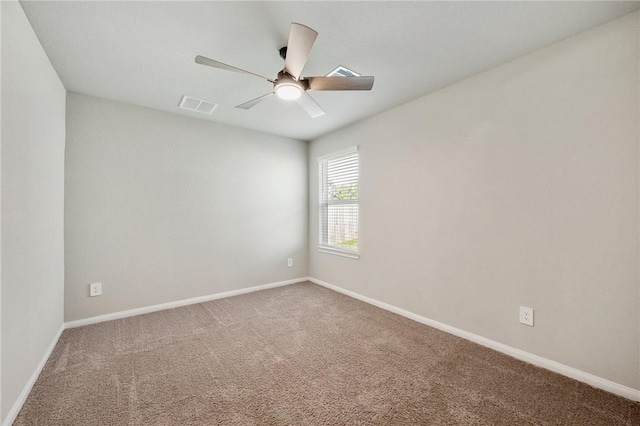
322,207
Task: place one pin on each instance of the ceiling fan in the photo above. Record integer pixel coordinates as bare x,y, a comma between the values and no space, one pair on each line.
289,84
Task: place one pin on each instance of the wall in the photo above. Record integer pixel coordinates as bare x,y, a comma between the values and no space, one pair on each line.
518,186
33,140
161,207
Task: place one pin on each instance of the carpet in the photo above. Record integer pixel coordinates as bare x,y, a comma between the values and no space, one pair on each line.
298,355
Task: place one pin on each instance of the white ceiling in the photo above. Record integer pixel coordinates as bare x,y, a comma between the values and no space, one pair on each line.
143,53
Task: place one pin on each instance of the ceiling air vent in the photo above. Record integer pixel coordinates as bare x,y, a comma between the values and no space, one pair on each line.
343,72
197,105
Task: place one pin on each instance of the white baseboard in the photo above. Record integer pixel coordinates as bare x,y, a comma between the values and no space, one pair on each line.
178,303
17,406
582,376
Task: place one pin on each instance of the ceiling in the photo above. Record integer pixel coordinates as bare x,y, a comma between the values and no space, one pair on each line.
142,53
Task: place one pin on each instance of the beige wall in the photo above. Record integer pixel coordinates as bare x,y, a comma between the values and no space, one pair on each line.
161,207
518,186
33,139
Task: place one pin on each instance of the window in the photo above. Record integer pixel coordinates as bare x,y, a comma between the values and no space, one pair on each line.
339,203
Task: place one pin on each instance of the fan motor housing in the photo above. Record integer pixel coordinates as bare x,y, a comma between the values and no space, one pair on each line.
285,79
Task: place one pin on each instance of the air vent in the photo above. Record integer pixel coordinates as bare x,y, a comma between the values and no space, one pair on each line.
343,72
197,105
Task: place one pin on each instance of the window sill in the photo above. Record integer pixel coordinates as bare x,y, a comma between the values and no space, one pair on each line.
338,252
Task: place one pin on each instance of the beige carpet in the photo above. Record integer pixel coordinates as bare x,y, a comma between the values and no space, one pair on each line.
298,355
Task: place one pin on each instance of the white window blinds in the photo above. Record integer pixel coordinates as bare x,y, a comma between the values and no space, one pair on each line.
339,202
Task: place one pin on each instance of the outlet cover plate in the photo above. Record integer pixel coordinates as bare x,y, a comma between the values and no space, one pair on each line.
526,316
290,262
95,289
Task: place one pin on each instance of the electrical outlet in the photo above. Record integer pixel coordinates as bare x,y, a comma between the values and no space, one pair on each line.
95,289
526,316
290,262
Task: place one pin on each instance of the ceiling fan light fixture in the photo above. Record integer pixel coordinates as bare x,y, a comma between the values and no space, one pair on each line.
288,91
290,85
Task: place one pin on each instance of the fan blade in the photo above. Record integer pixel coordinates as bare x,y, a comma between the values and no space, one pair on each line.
339,83
254,102
301,39
310,106
210,62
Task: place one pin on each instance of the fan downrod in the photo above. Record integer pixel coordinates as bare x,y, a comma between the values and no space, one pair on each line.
283,52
